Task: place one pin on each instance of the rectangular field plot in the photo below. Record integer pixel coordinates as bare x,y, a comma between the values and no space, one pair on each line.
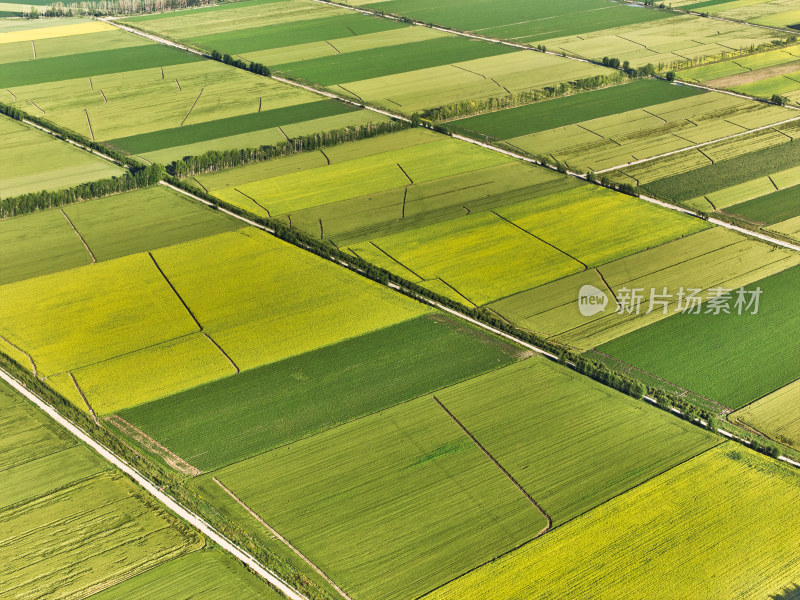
390,506
698,352
85,537
622,441
708,259
280,403
668,43
202,575
776,415
263,296
482,256
770,209
21,150
628,136
559,112
85,315
635,543
518,20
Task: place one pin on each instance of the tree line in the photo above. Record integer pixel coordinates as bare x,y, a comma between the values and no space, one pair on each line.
36,201
253,67
466,108
215,160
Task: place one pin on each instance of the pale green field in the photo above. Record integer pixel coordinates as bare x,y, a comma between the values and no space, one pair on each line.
85,537
644,133
481,255
711,258
274,301
390,505
72,44
22,152
728,506
82,316
664,42
776,415
435,86
363,176
595,225
143,101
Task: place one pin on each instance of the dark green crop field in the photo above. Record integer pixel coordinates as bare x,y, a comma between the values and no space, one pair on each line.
730,358
378,62
267,37
91,64
770,209
568,110
209,130
234,418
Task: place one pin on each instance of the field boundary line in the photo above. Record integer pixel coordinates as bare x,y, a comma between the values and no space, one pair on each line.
697,146
33,45
83,397
399,166
390,257
18,349
533,235
172,287
225,354
172,459
281,538
499,466
89,122
80,237
253,200
166,500
196,100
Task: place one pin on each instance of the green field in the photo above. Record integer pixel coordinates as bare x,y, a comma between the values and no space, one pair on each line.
282,402
144,220
518,20
708,259
699,352
775,415
210,130
570,442
540,116
390,506
401,58
85,315
132,319
770,209
204,575
726,173
728,507
43,243
21,149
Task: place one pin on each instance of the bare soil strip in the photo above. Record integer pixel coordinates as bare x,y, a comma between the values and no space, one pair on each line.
33,45
756,75
169,457
281,538
499,466
37,106
80,237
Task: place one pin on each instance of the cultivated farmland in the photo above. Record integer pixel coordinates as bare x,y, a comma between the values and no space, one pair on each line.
391,505
21,149
683,349
622,443
775,415
709,259
634,544
287,400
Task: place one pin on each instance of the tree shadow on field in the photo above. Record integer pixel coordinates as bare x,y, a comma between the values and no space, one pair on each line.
790,593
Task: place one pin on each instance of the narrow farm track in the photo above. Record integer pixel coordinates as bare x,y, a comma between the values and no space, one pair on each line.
192,519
